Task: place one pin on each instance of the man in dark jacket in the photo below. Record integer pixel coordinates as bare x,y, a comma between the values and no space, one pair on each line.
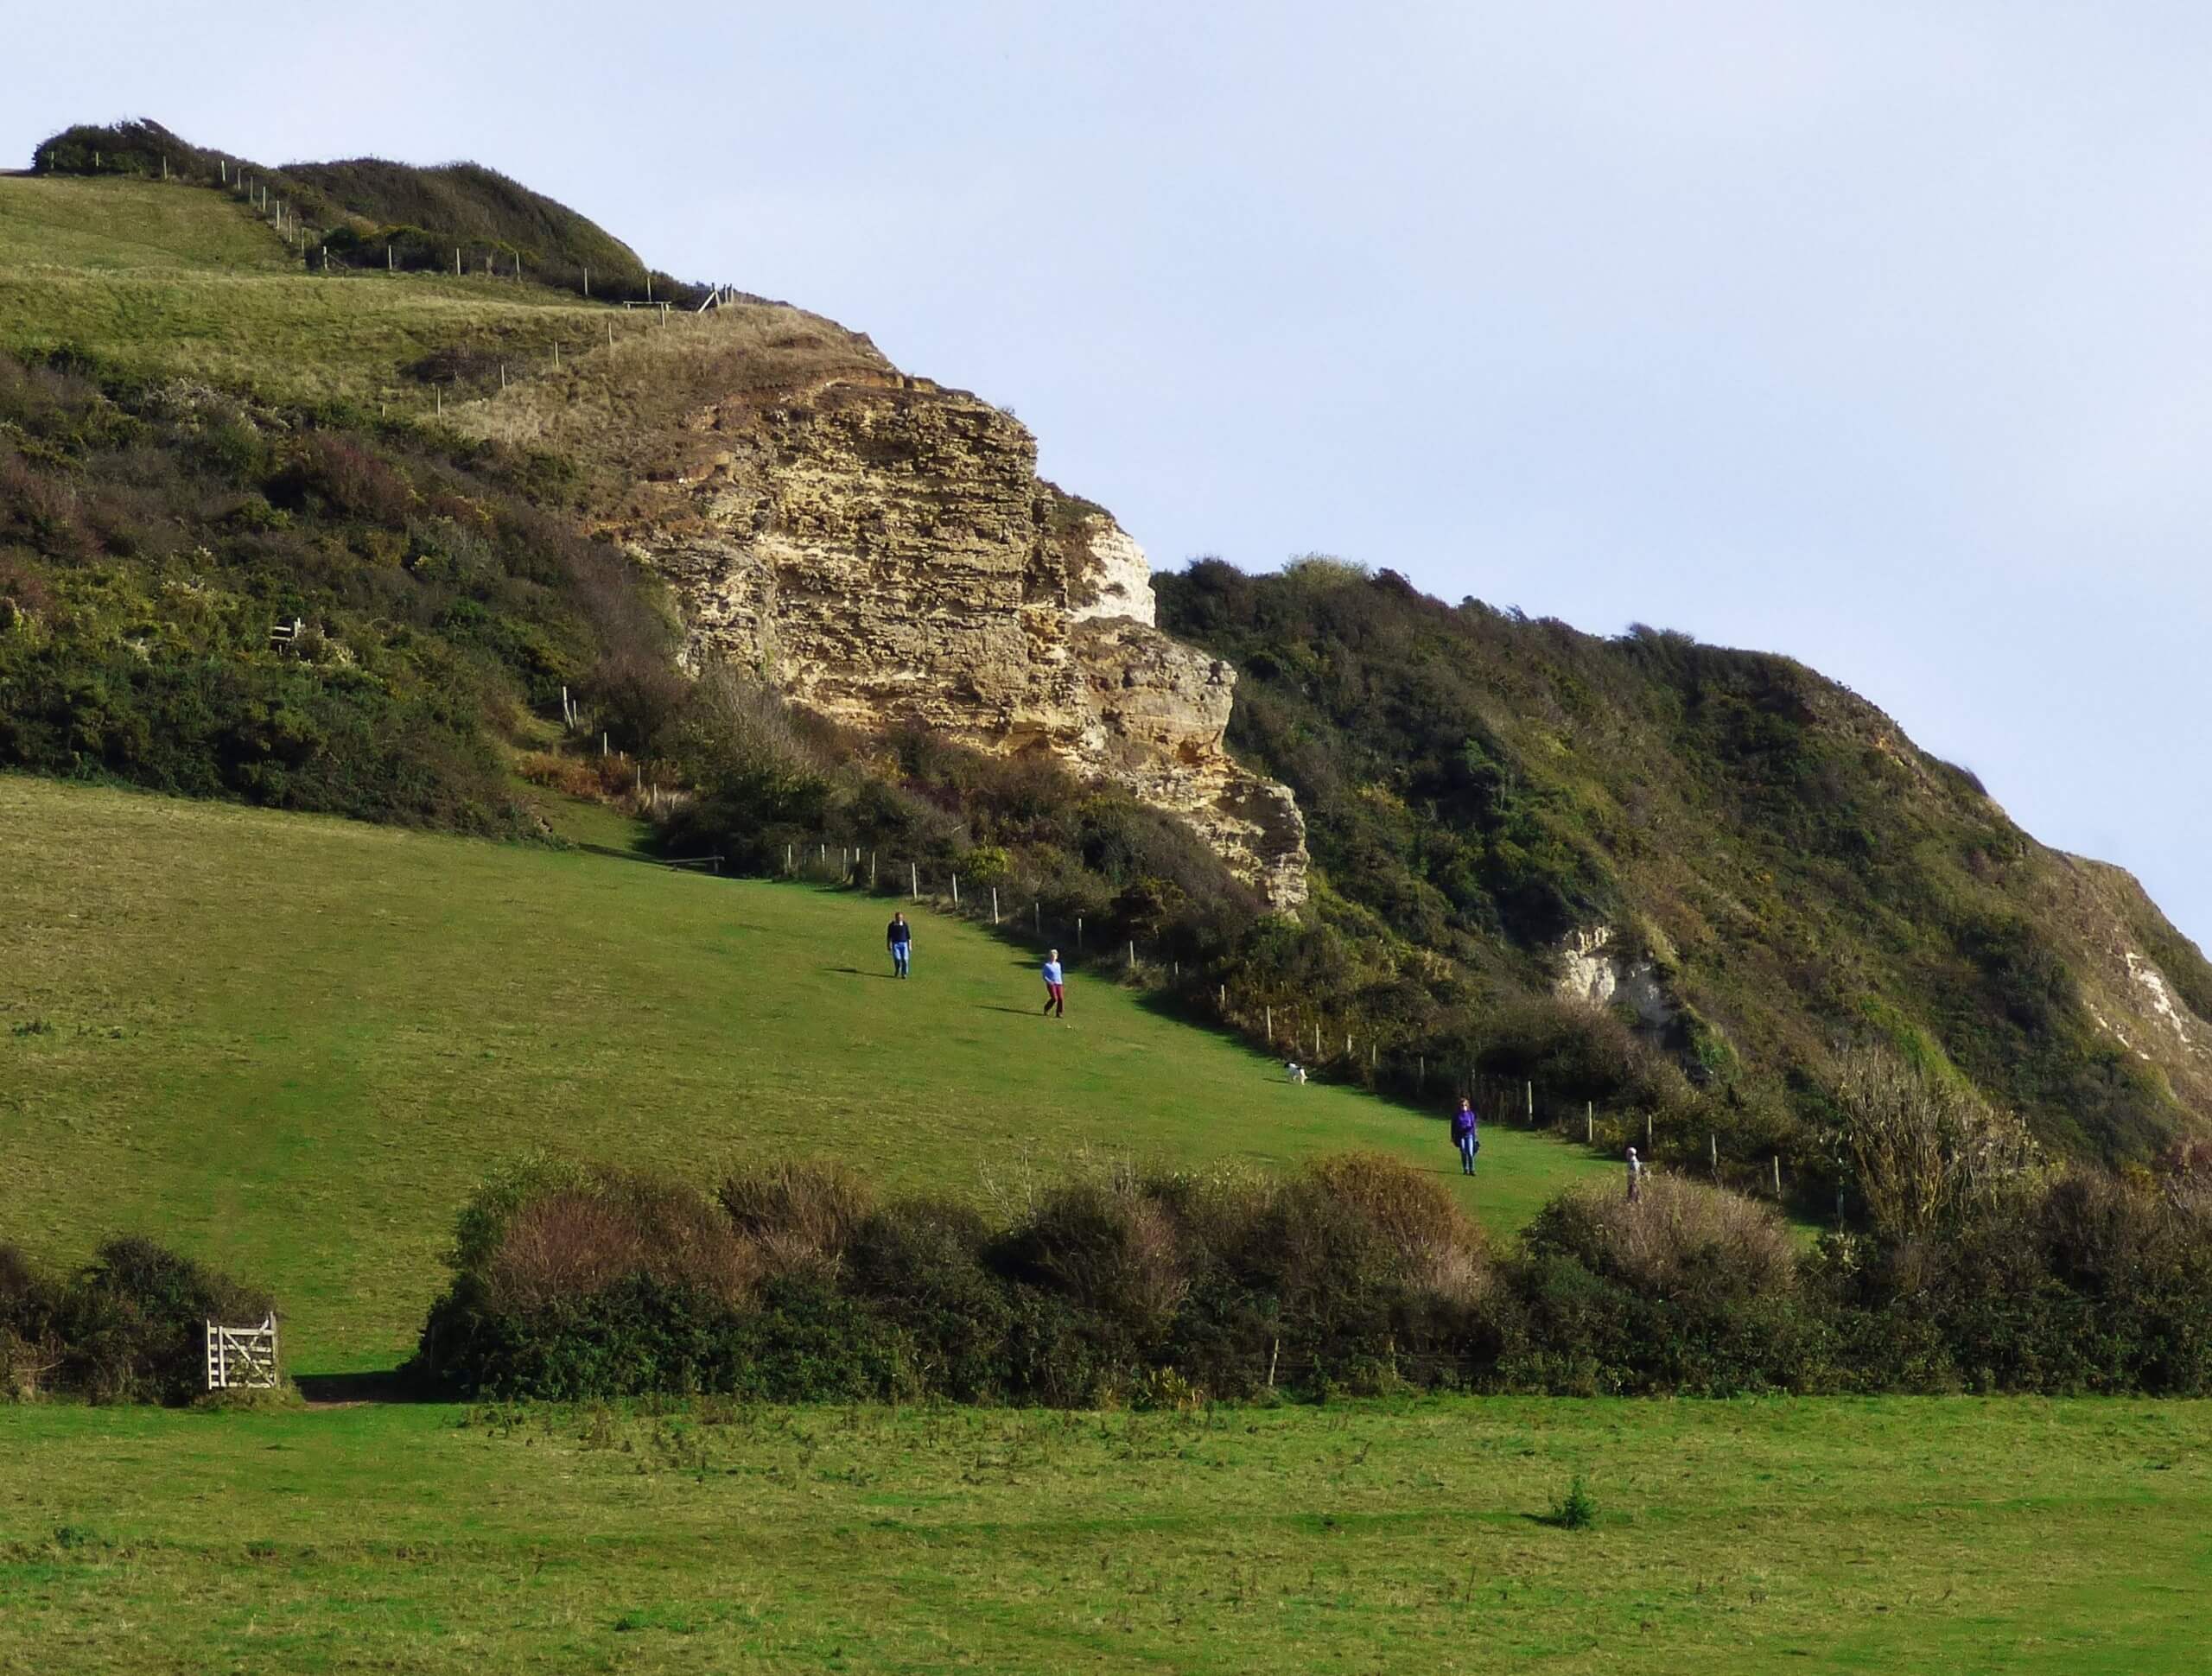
898,937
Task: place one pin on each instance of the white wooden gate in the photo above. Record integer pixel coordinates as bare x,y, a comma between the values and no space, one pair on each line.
242,1358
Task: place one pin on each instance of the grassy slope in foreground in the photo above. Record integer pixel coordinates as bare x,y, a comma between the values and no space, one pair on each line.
292,1045
1902,1535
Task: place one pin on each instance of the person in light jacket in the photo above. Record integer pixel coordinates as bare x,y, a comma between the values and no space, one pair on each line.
1056,996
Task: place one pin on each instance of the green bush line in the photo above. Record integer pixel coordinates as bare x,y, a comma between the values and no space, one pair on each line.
1354,1275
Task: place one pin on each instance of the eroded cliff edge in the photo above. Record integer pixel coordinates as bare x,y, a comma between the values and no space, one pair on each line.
883,550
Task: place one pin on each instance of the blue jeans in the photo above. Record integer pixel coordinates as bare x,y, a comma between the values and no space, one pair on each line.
900,957
1468,1147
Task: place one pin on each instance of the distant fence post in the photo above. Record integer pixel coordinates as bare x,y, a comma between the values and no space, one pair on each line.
914,881
994,905
1590,1122
956,890
1270,1013
1133,954
1532,1105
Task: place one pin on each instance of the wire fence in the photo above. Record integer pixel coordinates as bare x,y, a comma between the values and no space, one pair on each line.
1329,1046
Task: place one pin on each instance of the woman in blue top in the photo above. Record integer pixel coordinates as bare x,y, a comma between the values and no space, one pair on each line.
1056,1001
1467,1135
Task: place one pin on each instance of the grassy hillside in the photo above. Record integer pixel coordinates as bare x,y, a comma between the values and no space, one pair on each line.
1792,870
369,212
170,280
402,460
1898,1536
293,1045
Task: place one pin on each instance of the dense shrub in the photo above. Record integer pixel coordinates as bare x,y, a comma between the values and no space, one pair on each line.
1354,1273
132,1328
152,542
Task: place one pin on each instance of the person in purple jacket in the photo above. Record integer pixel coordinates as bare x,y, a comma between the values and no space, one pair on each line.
1467,1135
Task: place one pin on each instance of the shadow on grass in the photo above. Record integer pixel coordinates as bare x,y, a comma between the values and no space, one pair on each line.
856,972
384,1384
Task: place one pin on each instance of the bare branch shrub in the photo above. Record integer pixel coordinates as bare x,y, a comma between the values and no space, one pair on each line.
800,1218
574,1240
1923,1147
1675,1238
1439,1249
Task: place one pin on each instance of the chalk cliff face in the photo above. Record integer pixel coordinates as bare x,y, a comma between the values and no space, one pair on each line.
883,550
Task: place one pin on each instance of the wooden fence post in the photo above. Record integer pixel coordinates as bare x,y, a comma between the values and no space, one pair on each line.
956,890
1133,954
1777,1176
1712,1143
914,880
1270,1013
1590,1122
1532,1104
994,905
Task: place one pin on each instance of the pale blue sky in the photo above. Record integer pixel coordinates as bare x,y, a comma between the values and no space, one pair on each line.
1875,333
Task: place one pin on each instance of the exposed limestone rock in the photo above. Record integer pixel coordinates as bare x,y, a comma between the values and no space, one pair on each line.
1591,968
2155,996
884,551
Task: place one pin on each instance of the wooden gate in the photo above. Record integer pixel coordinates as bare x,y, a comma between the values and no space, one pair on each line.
242,1358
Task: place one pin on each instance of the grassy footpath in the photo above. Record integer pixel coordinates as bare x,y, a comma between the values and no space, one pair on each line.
292,1044
1900,1535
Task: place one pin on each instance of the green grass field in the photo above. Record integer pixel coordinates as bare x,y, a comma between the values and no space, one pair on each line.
173,281
293,1045
1906,1535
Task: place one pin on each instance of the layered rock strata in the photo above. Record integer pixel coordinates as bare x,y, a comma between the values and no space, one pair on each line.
884,551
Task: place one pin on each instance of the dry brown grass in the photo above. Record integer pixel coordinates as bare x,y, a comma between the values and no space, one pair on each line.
639,399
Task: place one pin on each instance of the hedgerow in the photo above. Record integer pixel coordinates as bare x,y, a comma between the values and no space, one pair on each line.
1354,1274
